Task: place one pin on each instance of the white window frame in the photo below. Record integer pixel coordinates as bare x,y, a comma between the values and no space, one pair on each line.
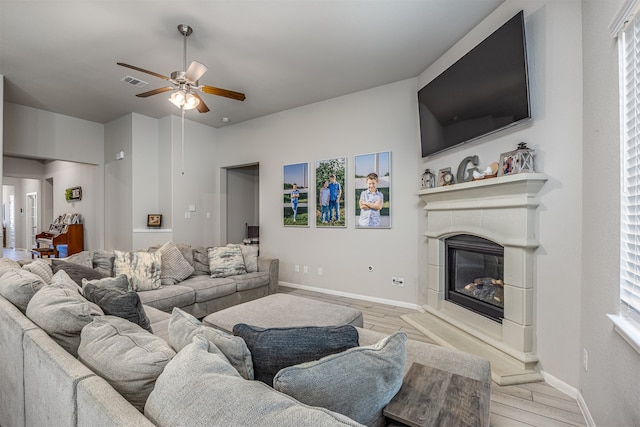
627,29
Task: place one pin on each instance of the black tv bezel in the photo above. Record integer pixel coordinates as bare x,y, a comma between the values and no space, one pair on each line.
527,118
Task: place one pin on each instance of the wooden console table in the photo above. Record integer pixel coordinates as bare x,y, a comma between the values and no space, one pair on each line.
431,397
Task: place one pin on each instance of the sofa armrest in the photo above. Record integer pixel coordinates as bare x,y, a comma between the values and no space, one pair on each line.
272,265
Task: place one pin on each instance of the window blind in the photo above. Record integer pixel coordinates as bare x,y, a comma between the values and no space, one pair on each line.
630,158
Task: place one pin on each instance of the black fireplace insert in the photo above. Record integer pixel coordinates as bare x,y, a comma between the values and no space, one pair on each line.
474,275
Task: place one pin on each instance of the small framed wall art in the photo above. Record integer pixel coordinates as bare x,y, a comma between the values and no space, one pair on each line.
73,194
154,220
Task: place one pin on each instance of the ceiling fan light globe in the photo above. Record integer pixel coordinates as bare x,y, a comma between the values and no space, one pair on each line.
191,102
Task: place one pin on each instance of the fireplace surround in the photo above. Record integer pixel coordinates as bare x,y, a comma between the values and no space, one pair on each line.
502,210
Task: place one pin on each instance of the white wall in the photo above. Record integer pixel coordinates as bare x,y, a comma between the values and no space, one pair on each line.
610,386
380,119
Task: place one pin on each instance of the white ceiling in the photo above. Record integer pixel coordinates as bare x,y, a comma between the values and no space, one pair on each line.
61,56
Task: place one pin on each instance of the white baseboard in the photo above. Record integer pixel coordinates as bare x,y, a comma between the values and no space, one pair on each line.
354,296
572,392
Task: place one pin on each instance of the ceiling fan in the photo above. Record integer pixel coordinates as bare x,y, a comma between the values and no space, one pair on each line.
186,83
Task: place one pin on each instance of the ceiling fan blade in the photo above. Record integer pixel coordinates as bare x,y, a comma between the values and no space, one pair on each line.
133,67
223,92
154,92
195,71
202,107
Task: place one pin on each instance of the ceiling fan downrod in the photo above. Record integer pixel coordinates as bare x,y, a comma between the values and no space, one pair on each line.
186,31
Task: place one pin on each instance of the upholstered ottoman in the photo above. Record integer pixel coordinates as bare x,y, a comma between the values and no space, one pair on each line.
284,310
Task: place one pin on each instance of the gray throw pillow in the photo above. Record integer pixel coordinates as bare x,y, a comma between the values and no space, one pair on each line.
119,282
117,302
125,355
19,286
357,383
276,348
62,313
183,327
250,256
76,272
103,261
199,389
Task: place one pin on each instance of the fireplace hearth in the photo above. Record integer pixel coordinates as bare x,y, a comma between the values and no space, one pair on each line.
475,275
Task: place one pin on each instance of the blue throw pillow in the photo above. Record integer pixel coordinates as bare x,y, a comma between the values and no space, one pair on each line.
276,348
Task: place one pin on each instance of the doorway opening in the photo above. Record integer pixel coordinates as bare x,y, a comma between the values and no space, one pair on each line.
242,207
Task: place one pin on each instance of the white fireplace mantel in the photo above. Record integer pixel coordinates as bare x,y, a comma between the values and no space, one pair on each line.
503,210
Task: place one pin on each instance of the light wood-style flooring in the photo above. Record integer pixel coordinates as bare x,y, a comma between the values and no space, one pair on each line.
534,404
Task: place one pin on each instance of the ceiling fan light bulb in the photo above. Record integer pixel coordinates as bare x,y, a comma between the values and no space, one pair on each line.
177,99
191,102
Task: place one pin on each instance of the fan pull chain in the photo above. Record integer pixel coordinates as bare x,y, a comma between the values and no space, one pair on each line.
182,166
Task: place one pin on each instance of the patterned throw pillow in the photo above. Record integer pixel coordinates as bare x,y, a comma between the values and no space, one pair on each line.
175,268
142,268
276,348
226,261
40,267
357,383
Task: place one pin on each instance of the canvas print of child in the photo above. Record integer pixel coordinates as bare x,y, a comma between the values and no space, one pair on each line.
295,195
373,183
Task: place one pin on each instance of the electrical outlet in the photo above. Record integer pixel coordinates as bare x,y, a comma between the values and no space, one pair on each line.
400,281
394,281
305,269
585,359
370,268
296,268
320,271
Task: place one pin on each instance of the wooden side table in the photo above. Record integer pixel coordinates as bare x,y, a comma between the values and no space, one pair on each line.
431,397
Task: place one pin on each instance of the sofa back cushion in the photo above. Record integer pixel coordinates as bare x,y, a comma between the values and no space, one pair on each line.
76,272
175,268
19,286
199,388
62,313
41,267
276,348
358,382
125,355
183,327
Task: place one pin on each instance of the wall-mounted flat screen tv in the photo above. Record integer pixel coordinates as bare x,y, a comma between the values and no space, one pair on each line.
484,91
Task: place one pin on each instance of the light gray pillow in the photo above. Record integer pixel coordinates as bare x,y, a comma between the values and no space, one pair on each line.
41,267
225,261
119,282
103,261
19,286
175,268
142,268
62,313
358,382
62,279
125,355
183,327
198,389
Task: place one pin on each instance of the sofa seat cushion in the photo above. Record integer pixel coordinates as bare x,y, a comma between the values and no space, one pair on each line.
159,321
244,282
207,288
125,355
198,388
358,382
167,297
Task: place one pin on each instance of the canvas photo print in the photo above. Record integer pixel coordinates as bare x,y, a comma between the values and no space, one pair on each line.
295,193
372,190
330,192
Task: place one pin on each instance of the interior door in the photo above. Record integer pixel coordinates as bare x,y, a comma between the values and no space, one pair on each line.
32,218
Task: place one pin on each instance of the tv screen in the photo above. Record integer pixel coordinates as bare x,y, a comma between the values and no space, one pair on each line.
484,91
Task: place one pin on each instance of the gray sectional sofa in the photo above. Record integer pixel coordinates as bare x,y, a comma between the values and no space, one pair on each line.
41,384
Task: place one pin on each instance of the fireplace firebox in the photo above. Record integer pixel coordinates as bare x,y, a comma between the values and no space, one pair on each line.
474,275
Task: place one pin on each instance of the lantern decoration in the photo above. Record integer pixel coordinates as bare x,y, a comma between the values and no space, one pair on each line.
428,179
523,159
